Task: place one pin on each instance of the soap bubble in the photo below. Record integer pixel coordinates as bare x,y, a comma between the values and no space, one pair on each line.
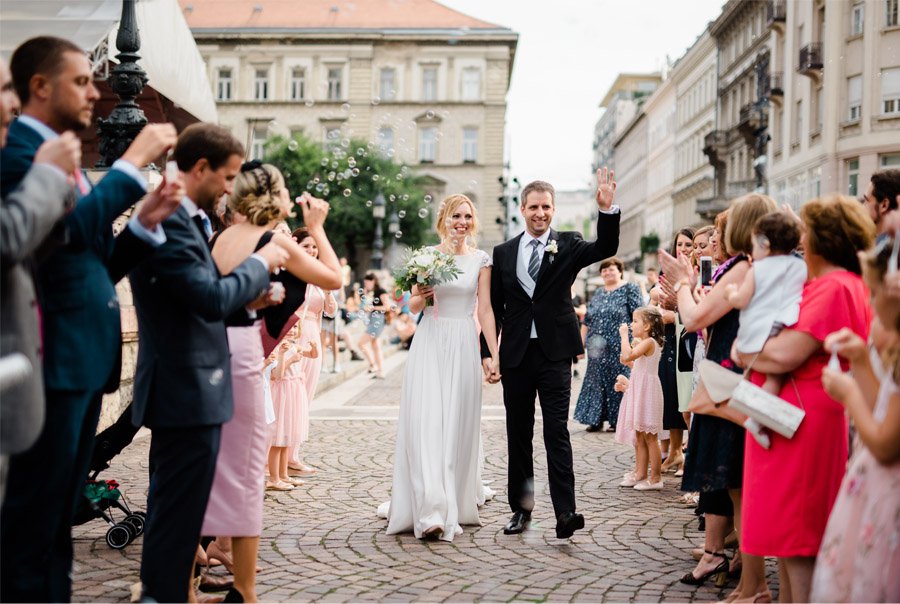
345,107
347,192
429,114
355,171
398,234
310,102
368,203
401,214
376,100
293,145
423,213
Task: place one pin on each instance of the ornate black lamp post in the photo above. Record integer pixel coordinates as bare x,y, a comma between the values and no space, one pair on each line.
378,243
127,80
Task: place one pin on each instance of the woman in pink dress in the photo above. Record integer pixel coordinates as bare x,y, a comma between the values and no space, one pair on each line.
860,556
236,499
789,488
317,302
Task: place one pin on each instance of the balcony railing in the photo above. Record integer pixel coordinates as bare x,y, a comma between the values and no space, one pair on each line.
776,84
811,59
776,12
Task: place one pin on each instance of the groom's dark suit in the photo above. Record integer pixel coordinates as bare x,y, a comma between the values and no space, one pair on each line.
542,366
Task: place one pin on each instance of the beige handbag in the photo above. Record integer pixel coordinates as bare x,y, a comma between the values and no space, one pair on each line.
771,411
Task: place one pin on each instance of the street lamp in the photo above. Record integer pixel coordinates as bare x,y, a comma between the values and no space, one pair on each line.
393,228
378,242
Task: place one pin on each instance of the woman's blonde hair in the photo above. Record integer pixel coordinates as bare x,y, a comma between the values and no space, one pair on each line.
742,217
257,191
876,265
448,206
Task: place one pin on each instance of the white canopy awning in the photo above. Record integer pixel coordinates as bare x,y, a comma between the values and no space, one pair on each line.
168,52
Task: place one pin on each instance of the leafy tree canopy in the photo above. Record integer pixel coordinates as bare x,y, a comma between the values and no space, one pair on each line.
349,174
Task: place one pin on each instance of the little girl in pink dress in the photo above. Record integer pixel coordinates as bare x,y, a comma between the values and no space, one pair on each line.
641,412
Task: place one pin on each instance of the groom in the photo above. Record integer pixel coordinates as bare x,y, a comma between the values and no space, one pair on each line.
531,294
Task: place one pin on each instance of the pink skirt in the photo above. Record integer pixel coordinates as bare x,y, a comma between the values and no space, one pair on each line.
236,500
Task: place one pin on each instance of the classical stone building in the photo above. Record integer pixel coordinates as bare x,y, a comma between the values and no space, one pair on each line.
694,78
658,210
426,83
631,193
835,95
621,103
742,35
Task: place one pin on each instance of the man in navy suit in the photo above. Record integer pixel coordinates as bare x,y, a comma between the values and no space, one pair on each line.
80,312
182,386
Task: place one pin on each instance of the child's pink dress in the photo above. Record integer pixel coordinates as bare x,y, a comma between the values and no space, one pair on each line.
642,404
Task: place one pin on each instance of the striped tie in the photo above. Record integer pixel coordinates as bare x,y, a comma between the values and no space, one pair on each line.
534,263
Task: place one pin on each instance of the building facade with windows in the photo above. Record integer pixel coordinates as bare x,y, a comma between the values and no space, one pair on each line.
836,107
426,83
741,35
621,103
658,210
631,191
694,79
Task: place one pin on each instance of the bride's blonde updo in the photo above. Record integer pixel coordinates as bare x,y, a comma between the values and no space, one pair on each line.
257,191
447,208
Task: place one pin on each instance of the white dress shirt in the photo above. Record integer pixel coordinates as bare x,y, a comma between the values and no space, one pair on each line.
157,236
525,280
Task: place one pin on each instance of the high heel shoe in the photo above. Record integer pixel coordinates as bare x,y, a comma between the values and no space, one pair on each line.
214,551
719,573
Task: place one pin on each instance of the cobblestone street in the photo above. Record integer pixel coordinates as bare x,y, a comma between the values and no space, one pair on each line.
323,541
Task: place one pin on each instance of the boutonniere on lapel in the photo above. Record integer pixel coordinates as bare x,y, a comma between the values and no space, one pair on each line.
551,249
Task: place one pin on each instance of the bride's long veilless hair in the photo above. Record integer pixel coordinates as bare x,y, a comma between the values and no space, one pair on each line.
447,207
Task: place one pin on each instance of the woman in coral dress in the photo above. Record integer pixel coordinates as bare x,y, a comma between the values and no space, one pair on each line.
789,489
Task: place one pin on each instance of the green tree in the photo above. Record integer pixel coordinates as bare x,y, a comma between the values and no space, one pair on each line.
349,175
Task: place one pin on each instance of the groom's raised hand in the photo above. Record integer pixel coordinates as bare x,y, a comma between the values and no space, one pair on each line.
606,188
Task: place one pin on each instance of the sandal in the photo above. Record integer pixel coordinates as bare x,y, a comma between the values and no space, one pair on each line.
280,485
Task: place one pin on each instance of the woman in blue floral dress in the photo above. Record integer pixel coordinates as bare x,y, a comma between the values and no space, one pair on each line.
610,306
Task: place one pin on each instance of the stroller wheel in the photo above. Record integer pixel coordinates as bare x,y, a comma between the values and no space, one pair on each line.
141,514
136,522
119,535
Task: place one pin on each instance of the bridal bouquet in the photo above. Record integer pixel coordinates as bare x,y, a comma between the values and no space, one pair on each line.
425,267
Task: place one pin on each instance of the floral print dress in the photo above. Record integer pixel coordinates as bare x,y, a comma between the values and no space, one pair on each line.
598,402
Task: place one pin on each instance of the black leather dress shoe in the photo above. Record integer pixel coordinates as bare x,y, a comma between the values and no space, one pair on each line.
517,523
567,523
211,583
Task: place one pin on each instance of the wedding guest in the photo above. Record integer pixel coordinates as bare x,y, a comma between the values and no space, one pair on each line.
641,413
673,421
881,198
701,244
859,560
288,394
182,384
609,307
374,303
780,483
27,216
236,499
714,462
318,303
80,315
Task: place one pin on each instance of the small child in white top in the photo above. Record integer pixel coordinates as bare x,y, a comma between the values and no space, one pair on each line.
769,297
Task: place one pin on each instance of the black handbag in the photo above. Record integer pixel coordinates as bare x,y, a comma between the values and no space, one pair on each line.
686,346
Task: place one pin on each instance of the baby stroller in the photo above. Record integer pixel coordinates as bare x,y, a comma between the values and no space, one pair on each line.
103,498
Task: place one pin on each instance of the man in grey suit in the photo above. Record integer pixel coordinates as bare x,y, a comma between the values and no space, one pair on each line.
27,216
182,385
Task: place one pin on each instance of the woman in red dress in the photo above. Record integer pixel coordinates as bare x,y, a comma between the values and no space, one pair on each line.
789,489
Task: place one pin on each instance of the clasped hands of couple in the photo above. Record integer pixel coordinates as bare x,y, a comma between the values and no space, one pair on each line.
489,365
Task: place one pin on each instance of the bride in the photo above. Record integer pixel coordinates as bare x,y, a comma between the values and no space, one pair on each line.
437,462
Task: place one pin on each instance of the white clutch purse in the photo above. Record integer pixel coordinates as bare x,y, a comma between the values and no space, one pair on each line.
769,410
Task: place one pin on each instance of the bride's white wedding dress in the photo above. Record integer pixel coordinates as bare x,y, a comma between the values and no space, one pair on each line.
438,458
